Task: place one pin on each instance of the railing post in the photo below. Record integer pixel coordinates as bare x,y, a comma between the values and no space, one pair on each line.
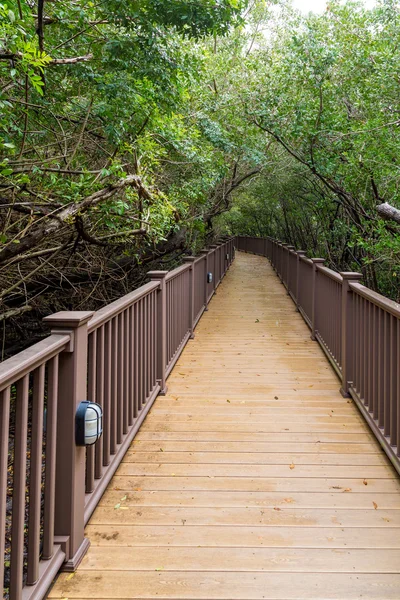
299,253
214,247
162,328
289,248
191,260
204,252
70,458
282,261
315,306
347,338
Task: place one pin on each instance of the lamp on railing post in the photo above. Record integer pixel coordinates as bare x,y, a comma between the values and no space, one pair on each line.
347,338
205,253
315,307
299,254
70,472
191,260
162,328
214,248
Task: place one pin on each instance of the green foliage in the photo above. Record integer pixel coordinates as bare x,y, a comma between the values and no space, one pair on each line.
323,91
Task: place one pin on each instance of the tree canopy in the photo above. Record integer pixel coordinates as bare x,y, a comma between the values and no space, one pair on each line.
131,132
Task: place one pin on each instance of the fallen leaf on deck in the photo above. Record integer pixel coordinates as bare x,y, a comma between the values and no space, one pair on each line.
291,466
365,482
375,505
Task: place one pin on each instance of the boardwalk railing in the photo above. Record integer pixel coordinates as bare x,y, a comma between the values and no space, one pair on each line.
358,329
119,357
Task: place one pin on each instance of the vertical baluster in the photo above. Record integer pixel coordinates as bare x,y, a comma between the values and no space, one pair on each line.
114,387
136,357
370,354
50,468
155,328
100,377
35,477
107,392
147,340
92,356
363,343
398,387
147,378
381,371
386,373
373,359
393,377
126,372
140,355
4,429
366,355
19,483
131,333
374,403
359,362
356,342
151,341
121,374
169,320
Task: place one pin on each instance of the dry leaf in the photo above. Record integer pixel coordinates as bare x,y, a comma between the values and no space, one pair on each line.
375,505
291,466
347,490
365,482
229,401
288,500
277,508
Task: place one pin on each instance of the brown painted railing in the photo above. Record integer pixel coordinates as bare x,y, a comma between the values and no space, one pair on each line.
358,329
119,357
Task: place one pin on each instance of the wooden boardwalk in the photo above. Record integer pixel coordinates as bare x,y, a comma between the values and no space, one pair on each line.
253,478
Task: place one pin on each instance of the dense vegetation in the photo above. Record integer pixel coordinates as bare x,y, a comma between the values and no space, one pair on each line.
324,92
131,132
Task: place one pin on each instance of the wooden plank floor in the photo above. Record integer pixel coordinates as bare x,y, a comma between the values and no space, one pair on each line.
253,478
